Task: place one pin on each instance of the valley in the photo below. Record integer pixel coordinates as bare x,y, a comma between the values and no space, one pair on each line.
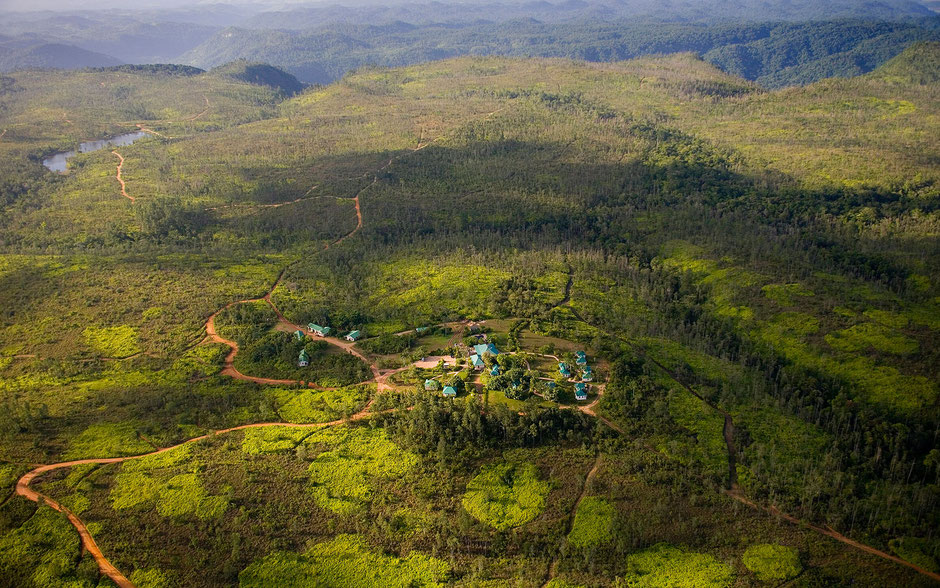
742,282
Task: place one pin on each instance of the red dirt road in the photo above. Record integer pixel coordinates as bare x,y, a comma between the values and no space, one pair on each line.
88,542
119,178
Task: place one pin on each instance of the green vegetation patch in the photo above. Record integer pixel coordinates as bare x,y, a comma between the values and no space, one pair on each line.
320,406
866,336
666,565
108,440
272,439
917,551
773,563
345,561
593,523
153,480
150,578
118,342
342,476
786,294
44,550
506,495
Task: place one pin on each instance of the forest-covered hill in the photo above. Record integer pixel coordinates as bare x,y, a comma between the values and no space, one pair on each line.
753,275
773,54
775,44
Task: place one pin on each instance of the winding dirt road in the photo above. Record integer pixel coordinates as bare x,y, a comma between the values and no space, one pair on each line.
120,167
200,114
23,486
88,542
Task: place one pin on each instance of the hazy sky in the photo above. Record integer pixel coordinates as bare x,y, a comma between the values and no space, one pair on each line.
71,5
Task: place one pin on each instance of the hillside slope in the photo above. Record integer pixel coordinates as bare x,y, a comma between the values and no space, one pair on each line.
753,277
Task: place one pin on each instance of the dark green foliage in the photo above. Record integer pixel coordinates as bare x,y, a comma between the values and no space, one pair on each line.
169,216
261,74
170,69
389,343
916,65
275,355
463,428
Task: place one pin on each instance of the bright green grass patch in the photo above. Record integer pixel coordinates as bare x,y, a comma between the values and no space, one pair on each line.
319,406
785,294
43,550
177,496
341,477
153,479
163,459
346,561
773,563
864,336
202,360
685,256
875,383
150,578
915,550
664,565
118,342
506,495
888,318
433,287
272,439
108,440
723,282
184,494
593,523
77,503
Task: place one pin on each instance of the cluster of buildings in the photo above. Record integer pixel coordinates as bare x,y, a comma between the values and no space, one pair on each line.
587,374
433,386
303,360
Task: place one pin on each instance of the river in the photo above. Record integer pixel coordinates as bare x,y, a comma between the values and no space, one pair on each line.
58,162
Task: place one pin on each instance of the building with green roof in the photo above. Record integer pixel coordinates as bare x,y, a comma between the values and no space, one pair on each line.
318,330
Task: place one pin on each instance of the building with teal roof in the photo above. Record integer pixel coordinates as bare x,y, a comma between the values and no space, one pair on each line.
449,391
318,330
484,348
303,360
580,391
587,374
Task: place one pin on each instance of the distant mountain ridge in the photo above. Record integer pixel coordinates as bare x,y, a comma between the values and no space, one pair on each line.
773,43
773,54
51,56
